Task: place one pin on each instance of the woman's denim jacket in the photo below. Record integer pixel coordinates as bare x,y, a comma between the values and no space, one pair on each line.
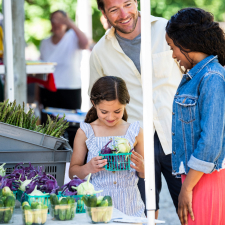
198,125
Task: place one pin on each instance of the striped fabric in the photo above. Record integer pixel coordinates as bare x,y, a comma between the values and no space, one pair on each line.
120,185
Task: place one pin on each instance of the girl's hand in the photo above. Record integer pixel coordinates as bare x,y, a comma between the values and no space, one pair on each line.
138,160
185,206
95,164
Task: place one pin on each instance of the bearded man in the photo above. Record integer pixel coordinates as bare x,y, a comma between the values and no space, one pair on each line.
118,54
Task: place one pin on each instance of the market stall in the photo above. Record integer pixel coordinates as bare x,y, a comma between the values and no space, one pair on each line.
30,196
148,119
34,160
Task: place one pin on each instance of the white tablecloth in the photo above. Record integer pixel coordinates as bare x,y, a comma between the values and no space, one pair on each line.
81,219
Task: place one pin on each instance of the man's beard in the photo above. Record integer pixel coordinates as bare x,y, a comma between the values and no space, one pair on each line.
135,19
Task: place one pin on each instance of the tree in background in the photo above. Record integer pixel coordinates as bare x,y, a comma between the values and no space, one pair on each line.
37,14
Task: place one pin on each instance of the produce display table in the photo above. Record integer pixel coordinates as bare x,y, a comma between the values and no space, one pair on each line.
80,219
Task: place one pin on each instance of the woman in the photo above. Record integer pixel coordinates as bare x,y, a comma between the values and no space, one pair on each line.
198,126
61,48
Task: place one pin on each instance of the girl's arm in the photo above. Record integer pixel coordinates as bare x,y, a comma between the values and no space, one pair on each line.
137,156
77,163
185,196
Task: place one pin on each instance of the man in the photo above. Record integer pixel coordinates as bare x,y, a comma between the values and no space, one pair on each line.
118,54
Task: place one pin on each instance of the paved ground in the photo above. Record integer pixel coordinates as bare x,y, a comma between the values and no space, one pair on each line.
167,210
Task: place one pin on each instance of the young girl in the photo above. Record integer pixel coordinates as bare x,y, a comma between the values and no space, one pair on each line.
107,120
198,124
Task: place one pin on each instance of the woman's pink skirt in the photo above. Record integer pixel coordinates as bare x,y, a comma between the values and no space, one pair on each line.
209,199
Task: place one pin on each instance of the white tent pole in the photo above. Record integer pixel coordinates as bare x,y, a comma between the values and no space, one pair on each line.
8,52
146,72
84,23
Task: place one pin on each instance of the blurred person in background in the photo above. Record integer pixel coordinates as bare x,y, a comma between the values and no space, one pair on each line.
105,23
61,48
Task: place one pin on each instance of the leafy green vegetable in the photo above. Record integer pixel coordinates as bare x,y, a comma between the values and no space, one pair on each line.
86,188
2,170
92,201
25,203
34,205
1,212
99,200
9,203
104,203
36,192
85,199
26,207
109,199
63,201
122,145
54,199
38,214
28,217
6,191
44,213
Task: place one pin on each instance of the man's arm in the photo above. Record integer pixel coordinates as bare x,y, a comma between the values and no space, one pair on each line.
96,70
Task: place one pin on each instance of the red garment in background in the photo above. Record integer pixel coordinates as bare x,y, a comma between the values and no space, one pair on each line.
48,84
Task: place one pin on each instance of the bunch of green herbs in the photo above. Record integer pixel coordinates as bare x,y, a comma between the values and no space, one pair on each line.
15,115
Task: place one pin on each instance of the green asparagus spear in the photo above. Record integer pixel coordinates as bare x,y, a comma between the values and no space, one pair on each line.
5,105
21,118
24,119
18,118
49,127
56,130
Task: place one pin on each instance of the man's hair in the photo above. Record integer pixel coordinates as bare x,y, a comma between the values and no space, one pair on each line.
101,5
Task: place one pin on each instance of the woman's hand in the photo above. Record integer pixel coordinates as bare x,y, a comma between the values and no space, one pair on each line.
60,19
185,206
96,164
138,160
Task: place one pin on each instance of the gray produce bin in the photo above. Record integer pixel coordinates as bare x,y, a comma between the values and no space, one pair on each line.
16,138
16,156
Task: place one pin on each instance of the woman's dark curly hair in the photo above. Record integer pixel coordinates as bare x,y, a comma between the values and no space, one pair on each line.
107,88
194,30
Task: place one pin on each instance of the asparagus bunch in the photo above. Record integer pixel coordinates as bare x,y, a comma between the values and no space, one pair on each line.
15,115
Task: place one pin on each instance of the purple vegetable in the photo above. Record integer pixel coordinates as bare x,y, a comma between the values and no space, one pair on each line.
67,188
1,179
5,182
23,173
106,149
114,162
45,183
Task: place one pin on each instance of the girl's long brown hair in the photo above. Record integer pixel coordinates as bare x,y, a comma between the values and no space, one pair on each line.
108,88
